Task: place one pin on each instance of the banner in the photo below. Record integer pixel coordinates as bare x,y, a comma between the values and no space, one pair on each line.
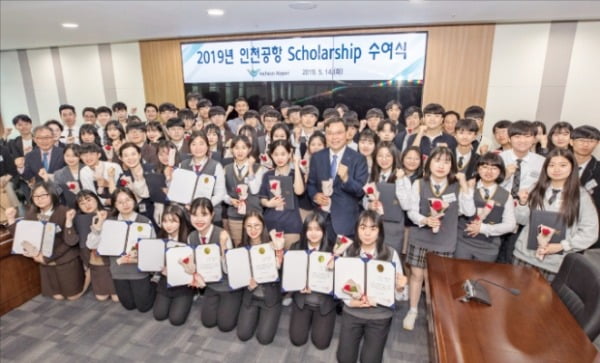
380,57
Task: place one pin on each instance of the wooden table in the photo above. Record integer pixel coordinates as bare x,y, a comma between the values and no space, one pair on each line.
534,326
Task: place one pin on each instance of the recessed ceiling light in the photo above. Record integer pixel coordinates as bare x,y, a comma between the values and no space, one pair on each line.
70,25
303,5
215,12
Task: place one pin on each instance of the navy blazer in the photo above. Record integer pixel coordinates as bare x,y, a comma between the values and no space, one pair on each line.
346,196
33,163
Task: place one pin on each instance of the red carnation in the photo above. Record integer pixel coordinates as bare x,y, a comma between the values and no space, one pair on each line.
437,205
108,148
186,260
343,239
347,287
274,186
279,234
546,231
424,157
263,157
303,162
123,182
187,136
238,190
370,190
71,186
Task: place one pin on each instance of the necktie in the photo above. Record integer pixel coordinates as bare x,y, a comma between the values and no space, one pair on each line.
461,161
514,191
70,133
333,169
437,188
240,170
203,239
368,255
552,198
486,193
383,178
45,161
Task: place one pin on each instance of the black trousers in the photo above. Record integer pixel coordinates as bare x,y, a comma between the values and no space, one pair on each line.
331,234
310,316
176,308
260,318
507,247
221,309
374,333
134,294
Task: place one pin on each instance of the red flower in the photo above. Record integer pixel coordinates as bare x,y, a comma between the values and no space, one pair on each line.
263,157
370,190
238,190
71,186
274,185
347,287
187,136
437,205
279,234
123,182
186,260
108,148
303,162
424,157
343,239
546,231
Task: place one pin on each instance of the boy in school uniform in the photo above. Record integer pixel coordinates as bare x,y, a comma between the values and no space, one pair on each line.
374,116
500,131
120,111
98,176
68,117
450,120
352,126
523,169
176,132
294,120
188,118
240,106
136,133
466,157
349,172
309,115
89,115
204,106
22,144
431,134
481,144
167,111
103,116
393,109
412,116
584,140
217,116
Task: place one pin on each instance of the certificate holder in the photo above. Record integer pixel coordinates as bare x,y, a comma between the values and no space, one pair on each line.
320,278
186,186
287,190
176,275
295,270
263,263
39,234
151,254
239,271
377,279
208,262
119,237
348,268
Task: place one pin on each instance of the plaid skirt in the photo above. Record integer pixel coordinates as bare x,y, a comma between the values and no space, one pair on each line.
416,255
549,276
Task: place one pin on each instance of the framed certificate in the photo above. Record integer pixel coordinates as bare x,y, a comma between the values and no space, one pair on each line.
205,184
348,268
295,266
238,267
263,263
381,282
186,186
176,275
151,254
208,262
119,237
39,234
320,278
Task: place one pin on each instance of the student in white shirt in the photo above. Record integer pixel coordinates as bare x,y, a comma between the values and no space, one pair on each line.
98,176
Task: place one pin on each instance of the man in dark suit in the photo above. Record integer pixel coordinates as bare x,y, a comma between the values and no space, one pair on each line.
349,172
45,158
23,143
584,140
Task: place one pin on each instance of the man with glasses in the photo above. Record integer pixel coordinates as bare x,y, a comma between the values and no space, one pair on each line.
584,140
44,159
348,170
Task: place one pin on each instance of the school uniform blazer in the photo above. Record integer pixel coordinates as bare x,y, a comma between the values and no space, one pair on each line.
33,163
590,181
16,147
345,201
7,163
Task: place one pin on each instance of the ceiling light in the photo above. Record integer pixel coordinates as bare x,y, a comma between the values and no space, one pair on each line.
215,12
70,25
303,5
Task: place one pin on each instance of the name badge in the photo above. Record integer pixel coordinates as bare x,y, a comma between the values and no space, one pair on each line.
449,198
534,175
1,158
589,186
142,208
58,229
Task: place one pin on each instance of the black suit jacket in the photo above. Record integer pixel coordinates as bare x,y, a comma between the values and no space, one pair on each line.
590,181
15,146
33,163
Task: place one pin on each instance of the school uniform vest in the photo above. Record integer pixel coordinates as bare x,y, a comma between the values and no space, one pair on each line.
215,238
231,182
445,239
375,312
128,271
499,198
209,168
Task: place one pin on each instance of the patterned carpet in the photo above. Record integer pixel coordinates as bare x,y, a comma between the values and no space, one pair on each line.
90,331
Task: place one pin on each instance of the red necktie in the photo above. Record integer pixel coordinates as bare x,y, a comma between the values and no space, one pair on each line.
203,240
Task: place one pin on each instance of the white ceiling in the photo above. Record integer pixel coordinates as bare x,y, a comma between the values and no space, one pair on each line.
32,24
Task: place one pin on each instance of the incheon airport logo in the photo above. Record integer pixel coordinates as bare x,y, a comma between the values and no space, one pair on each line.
253,72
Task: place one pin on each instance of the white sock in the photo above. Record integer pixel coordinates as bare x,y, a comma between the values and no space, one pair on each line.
413,310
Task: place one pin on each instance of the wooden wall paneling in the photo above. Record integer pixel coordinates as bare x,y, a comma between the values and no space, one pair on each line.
162,71
458,65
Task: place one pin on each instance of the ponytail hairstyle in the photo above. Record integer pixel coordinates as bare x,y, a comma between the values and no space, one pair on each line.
569,208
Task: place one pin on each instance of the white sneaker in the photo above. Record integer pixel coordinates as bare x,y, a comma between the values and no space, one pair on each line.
287,301
409,320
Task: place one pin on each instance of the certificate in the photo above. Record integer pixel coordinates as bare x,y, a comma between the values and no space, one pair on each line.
238,267
151,254
186,186
348,268
264,264
39,234
295,265
320,278
119,237
137,231
176,275
208,262
381,282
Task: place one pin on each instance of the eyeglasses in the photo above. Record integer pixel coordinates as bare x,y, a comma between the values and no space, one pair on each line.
364,227
40,196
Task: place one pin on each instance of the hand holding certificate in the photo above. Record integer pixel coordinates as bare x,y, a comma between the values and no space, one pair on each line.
33,237
263,263
208,262
238,267
151,255
186,186
295,265
327,189
320,277
179,261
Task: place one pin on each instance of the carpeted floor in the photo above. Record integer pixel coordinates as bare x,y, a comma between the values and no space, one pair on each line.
90,331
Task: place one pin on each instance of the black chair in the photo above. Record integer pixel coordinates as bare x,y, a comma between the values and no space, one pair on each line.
578,285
